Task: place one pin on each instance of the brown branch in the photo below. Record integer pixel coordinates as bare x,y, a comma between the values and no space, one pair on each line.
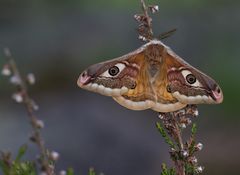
171,124
148,19
182,153
179,164
44,159
145,29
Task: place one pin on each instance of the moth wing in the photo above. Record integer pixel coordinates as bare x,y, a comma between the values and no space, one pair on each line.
182,83
141,96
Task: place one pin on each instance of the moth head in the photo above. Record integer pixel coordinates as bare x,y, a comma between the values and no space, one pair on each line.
191,86
112,78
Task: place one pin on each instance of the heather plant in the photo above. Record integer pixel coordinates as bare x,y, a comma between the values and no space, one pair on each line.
171,126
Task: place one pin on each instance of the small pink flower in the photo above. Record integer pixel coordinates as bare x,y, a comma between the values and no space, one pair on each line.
199,146
40,124
54,155
31,78
6,71
15,80
154,8
62,172
199,169
18,97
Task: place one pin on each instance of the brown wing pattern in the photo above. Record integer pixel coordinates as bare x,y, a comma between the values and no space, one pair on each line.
143,90
151,83
153,77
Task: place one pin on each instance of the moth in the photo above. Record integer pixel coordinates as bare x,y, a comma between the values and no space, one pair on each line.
151,77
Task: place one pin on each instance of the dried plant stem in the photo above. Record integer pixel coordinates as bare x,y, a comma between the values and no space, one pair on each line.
172,125
148,19
179,164
145,29
182,153
29,104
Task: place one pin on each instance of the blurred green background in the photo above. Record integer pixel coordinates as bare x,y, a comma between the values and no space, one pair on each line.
57,40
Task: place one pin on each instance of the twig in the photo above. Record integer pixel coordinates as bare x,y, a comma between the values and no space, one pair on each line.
148,20
182,153
23,96
144,29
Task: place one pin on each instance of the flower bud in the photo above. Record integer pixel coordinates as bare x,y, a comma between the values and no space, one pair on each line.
17,97
161,116
185,153
40,124
62,172
183,125
54,155
6,71
142,38
139,18
199,146
31,78
199,169
154,8
15,80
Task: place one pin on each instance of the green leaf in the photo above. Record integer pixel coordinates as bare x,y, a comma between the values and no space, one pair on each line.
164,135
21,152
166,171
189,169
193,142
24,168
192,148
194,129
70,171
4,167
91,171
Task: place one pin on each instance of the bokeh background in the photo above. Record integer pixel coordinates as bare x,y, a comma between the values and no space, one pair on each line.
57,39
